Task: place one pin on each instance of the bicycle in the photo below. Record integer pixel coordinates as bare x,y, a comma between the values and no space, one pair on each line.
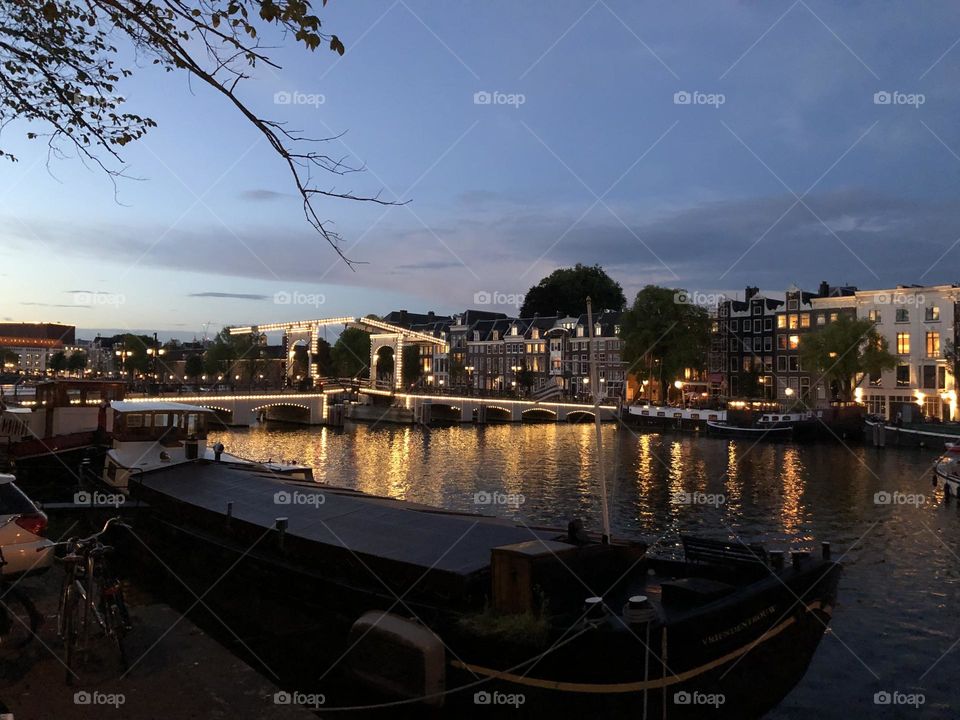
19,618
90,593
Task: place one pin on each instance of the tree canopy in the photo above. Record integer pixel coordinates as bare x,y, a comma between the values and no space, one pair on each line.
843,350
351,354
77,361
662,336
227,350
65,61
566,291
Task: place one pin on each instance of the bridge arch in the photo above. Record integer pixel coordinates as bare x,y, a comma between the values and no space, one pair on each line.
223,415
580,416
284,412
538,414
498,413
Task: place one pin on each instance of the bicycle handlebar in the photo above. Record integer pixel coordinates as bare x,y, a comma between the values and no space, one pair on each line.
87,540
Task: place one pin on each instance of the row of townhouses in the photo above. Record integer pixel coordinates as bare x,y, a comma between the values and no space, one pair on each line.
755,346
540,356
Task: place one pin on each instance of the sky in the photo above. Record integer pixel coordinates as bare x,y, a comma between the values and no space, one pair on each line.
697,145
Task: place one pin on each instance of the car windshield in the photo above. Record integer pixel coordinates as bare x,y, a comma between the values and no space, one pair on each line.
13,501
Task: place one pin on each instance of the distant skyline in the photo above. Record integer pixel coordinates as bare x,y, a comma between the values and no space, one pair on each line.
710,146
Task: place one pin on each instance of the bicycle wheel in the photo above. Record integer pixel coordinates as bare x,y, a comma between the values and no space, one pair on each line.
118,629
22,619
69,623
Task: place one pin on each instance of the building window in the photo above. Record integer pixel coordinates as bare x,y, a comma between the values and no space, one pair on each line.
767,344
933,344
834,316
903,375
821,319
876,379
804,386
733,364
757,326
781,321
794,342
756,344
903,315
794,363
792,304
941,378
747,364
931,314
903,343
874,317
768,324
735,325
757,308
929,377
793,321
781,363
805,320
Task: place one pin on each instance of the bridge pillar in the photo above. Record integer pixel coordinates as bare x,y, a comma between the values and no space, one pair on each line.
481,414
466,412
516,412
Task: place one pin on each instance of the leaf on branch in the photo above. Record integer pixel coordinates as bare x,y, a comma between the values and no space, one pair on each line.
336,45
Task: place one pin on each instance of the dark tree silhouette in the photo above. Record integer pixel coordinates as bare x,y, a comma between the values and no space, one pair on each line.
566,290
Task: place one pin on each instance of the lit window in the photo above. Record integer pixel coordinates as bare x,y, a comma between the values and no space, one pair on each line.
793,322
932,314
781,321
903,343
933,344
794,342
805,320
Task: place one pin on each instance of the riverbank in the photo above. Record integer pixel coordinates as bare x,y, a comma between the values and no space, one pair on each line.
176,671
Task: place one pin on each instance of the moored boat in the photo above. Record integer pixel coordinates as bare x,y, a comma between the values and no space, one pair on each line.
946,473
427,606
757,432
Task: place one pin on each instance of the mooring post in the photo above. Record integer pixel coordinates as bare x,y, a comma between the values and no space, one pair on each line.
825,550
229,512
281,525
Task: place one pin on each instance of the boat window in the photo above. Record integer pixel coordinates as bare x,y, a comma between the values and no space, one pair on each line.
134,420
192,424
160,420
148,420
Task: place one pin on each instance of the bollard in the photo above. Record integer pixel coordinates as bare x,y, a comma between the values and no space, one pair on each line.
229,512
776,559
798,556
638,610
281,525
593,608
825,550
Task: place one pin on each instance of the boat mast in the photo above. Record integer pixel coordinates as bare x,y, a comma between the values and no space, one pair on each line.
595,384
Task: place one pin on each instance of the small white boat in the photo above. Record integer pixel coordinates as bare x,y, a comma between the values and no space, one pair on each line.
946,472
769,432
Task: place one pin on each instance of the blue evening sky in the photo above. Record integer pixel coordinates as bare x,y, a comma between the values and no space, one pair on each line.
784,168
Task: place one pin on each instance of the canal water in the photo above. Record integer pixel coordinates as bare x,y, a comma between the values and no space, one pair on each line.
896,628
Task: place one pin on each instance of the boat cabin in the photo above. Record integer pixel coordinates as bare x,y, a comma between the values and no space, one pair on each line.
152,435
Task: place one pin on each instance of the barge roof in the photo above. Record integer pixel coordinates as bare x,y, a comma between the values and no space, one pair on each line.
367,525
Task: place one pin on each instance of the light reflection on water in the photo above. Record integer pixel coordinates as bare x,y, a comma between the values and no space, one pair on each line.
900,593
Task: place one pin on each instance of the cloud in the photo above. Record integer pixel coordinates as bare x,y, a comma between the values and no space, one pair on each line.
56,305
234,296
262,195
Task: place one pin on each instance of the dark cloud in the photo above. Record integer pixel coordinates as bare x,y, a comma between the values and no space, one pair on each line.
261,195
56,305
233,296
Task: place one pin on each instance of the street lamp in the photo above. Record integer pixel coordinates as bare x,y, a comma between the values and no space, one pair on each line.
678,384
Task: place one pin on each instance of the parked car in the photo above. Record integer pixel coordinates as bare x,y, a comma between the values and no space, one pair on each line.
23,530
